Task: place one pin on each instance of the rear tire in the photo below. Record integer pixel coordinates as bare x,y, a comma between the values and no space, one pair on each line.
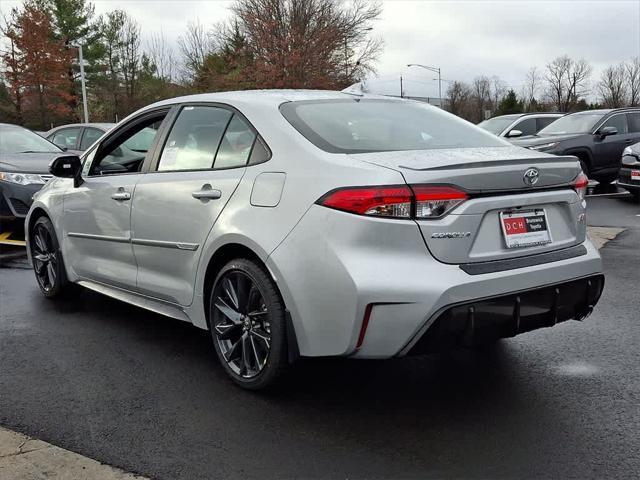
47,261
247,324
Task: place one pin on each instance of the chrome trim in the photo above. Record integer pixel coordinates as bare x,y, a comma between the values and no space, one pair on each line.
164,244
105,238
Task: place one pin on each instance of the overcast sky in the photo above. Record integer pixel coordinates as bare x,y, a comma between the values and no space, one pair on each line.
463,38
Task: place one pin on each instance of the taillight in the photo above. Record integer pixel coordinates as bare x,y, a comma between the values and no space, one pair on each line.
580,185
436,201
416,201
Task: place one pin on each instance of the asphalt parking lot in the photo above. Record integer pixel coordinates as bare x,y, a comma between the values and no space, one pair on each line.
145,393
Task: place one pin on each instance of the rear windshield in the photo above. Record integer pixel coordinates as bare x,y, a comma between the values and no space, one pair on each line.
377,125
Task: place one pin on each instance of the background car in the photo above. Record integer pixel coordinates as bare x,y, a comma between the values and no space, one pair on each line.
24,169
77,137
629,177
519,124
596,137
311,223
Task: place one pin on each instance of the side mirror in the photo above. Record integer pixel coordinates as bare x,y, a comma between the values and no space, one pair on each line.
67,166
514,133
606,131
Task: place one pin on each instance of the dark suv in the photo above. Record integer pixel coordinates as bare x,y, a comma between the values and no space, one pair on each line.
596,137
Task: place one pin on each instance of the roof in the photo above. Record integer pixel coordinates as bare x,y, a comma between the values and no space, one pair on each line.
106,126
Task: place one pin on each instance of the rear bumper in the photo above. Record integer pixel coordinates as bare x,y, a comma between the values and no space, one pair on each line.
485,320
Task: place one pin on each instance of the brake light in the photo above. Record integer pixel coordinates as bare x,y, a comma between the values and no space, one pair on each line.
436,201
416,201
580,185
391,201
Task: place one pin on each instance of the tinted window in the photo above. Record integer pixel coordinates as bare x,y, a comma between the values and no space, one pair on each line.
496,125
66,138
260,152
89,136
619,122
545,121
20,140
527,126
236,144
372,125
574,123
119,157
634,122
194,138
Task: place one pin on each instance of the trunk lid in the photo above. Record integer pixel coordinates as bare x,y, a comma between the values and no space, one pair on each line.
494,178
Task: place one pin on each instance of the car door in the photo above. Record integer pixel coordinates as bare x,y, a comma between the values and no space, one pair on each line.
608,150
177,203
633,124
97,214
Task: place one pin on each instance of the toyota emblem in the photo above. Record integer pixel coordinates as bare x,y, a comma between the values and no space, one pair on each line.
531,177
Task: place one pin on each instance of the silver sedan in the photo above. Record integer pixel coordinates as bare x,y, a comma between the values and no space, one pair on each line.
309,223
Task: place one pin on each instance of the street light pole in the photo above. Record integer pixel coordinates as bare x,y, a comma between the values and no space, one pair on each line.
84,87
432,69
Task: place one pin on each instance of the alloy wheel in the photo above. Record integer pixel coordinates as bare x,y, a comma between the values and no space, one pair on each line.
45,258
240,320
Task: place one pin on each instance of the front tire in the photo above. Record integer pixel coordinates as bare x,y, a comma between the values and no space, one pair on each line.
46,258
247,324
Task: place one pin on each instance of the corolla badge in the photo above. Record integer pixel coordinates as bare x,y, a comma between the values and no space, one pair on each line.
531,177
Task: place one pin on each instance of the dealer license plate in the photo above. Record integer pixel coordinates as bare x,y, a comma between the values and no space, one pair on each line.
525,228
635,175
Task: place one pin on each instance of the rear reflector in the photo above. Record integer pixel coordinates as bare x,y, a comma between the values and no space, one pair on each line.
365,323
580,185
396,201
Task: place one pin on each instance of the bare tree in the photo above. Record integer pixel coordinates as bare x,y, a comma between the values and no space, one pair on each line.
194,45
163,57
130,55
531,88
458,95
632,70
481,91
498,90
612,86
567,81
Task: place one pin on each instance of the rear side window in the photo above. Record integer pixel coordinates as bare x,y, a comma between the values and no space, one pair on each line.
372,125
236,145
527,126
634,122
89,136
194,138
545,121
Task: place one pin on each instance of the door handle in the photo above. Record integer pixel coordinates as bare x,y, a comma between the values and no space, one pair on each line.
121,196
207,193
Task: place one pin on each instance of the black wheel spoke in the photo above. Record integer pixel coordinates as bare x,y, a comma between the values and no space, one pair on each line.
244,339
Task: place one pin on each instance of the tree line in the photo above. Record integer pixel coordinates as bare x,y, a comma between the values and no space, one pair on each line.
564,85
264,44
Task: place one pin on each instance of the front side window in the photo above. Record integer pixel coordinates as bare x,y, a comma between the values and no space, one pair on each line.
371,125
127,150
496,125
619,122
66,138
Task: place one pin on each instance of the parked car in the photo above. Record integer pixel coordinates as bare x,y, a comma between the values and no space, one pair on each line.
629,177
596,137
519,124
309,223
77,137
24,169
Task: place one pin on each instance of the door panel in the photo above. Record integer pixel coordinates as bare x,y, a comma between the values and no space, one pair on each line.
174,208
170,227
608,151
98,229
